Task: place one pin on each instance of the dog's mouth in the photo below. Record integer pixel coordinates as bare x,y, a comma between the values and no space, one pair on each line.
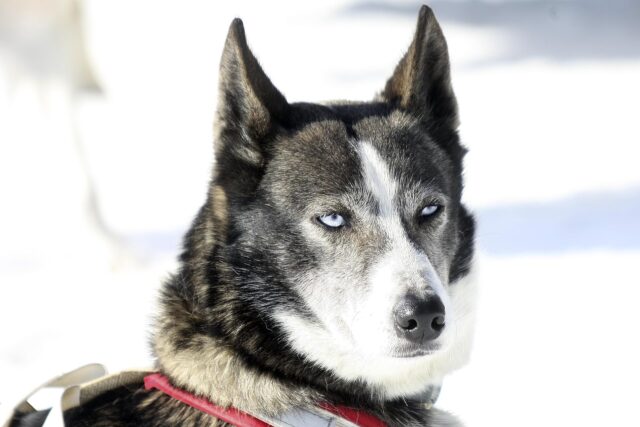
412,351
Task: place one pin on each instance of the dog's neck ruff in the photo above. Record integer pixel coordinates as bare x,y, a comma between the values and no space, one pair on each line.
326,416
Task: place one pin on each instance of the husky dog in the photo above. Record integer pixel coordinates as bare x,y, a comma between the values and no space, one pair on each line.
331,259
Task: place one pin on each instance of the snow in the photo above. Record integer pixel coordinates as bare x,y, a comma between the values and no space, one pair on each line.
548,93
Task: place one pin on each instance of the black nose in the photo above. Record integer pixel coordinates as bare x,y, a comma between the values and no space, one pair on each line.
419,319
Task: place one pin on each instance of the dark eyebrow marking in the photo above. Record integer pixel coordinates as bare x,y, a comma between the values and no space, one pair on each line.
351,132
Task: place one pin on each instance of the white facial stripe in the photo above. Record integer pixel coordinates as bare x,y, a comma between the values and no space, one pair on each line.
378,179
383,187
403,256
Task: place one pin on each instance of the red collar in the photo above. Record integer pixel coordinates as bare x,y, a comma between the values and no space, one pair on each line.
239,418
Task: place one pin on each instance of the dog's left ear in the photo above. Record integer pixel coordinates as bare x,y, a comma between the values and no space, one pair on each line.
249,105
250,111
421,82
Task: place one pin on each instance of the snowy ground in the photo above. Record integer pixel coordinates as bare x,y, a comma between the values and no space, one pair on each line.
549,103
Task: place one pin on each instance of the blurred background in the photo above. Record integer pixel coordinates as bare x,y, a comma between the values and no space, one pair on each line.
106,112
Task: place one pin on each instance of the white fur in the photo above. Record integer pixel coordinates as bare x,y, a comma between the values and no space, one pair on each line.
395,377
378,179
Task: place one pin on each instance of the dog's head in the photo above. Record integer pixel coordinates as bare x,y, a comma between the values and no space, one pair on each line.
343,226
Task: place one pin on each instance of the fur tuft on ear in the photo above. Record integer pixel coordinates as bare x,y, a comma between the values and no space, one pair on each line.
249,105
421,82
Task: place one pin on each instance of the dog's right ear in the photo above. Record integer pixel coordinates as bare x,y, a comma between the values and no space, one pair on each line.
249,105
421,83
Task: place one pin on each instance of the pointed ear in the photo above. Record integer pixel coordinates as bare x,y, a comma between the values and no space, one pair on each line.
421,82
249,105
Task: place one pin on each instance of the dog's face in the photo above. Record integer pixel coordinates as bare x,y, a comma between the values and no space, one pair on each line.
372,222
345,219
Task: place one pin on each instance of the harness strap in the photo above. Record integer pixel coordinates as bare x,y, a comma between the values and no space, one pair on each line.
229,415
72,389
325,416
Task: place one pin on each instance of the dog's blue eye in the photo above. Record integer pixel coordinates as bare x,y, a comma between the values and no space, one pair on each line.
429,210
332,220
